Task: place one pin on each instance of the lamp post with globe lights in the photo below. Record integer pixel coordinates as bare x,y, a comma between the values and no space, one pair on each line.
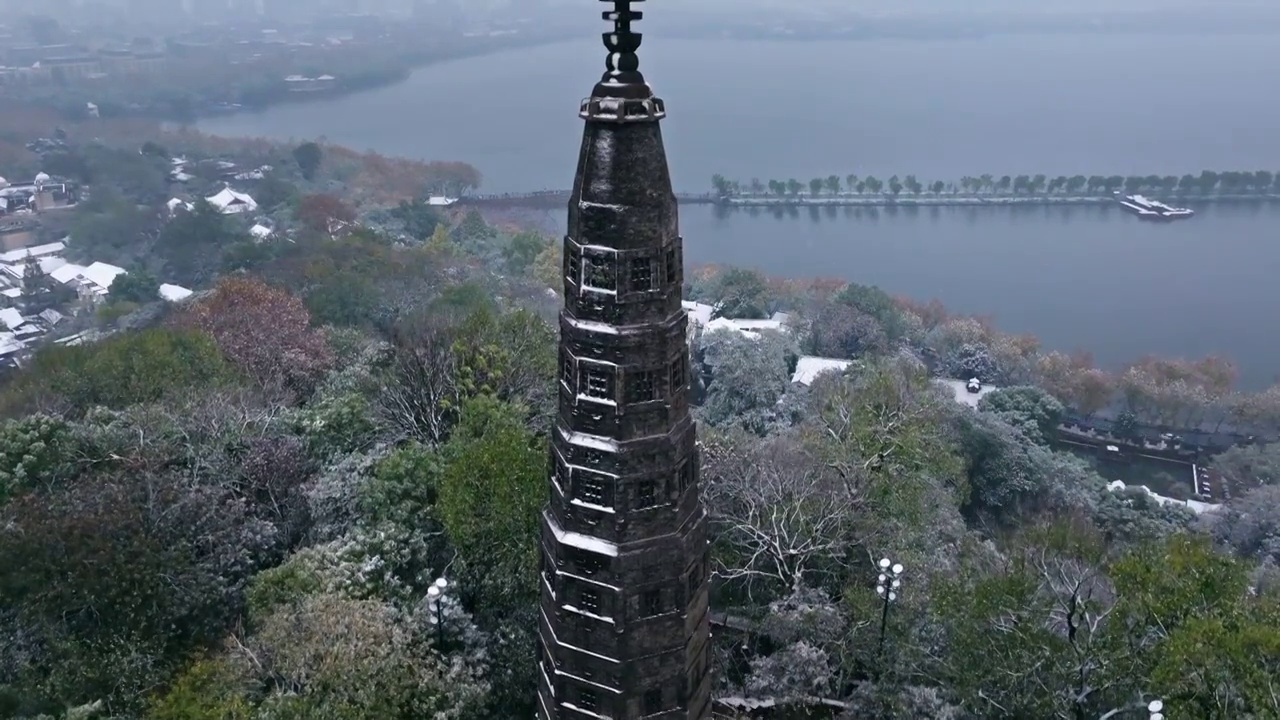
887,585
1156,708
435,603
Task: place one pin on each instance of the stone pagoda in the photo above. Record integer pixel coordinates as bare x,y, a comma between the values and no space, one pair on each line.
624,627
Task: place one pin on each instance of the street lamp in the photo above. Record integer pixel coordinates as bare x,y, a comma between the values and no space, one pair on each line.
435,602
887,585
1155,707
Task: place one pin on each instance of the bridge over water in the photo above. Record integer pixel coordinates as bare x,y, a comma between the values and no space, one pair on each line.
558,199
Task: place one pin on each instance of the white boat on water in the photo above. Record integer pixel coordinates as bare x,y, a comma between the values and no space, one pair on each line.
1147,209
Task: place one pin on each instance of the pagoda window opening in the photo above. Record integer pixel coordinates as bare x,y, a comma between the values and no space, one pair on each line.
596,384
642,386
573,262
694,581
588,700
549,572
685,476
672,267
677,376
642,275
598,273
588,563
589,600
651,603
653,703
646,494
559,471
592,491
566,369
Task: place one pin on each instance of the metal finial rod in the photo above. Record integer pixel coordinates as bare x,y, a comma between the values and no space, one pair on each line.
623,66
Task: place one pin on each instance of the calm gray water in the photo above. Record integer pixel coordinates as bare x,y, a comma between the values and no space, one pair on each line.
1090,279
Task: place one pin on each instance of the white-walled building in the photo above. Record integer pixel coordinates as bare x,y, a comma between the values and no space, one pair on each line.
230,202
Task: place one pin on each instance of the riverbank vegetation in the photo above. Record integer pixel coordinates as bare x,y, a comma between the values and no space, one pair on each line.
1206,184
233,506
845,321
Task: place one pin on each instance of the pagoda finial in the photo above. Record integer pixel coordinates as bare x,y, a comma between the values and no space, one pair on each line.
623,66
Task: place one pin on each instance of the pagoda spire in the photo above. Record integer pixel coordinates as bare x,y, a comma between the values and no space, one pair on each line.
622,65
624,627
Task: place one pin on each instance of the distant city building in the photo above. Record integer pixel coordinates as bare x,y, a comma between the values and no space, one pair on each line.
624,625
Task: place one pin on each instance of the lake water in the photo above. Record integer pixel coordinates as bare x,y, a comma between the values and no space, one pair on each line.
1080,278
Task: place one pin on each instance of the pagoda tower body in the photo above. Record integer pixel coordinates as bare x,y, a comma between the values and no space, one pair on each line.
624,625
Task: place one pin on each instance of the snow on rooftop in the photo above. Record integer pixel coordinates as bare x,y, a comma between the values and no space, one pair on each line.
9,343
67,273
174,293
230,202
808,368
47,266
260,232
11,318
441,200
102,274
699,313
749,328
21,254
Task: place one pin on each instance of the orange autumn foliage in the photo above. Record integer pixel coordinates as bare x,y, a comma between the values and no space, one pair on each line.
265,331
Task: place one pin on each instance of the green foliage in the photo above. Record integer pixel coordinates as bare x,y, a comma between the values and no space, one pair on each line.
192,244
138,286
491,491
511,356
110,227
1055,630
108,313
274,191
124,369
34,451
247,255
336,425
1004,469
308,155
1126,426
1132,516
142,178
749,376
349,659
213,688
404,488
1249,466
1213,643
464,300
473,230
419,218
284,584
742,293
1022,405
884,421
877,304
1009,654
522,250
